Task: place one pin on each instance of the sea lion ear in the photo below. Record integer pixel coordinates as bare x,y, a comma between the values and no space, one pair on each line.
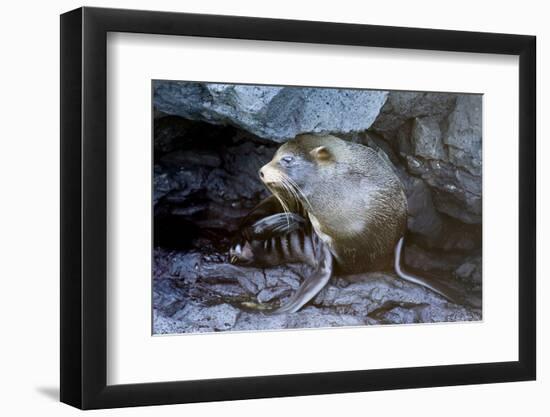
321,153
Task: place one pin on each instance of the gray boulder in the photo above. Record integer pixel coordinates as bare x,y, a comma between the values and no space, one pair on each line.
438,137
463,135
426,138
403,106
274,113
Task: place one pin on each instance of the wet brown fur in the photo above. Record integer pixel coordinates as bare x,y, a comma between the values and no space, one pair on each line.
351,195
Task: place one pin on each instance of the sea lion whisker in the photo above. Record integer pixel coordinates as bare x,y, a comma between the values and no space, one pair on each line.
286,210
291,197
289,194
295,188
292,194
290,190
298,191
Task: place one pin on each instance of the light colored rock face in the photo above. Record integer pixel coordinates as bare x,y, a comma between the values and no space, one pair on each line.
426,138
274,113
463,136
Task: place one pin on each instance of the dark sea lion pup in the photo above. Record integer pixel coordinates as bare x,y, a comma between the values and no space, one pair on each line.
337,206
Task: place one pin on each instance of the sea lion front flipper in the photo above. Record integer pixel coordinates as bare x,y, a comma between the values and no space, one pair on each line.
254,245
275,225
312,285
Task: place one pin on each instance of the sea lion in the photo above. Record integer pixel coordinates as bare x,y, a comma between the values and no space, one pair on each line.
342,195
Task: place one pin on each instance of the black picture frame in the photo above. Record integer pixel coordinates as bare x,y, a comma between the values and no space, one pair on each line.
84,207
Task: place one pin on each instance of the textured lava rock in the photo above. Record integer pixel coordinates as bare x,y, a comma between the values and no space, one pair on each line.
275,113
438,137
205,294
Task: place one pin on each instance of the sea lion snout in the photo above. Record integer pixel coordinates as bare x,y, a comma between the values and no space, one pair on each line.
269,175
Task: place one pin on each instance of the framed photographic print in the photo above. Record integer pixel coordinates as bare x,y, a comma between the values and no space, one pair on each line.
257,207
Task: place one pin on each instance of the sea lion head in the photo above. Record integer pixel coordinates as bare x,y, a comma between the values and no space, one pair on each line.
297,167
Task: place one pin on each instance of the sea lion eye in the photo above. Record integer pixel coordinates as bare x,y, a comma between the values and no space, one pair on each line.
287,159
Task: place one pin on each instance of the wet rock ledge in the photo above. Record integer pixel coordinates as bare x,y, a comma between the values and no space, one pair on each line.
210,140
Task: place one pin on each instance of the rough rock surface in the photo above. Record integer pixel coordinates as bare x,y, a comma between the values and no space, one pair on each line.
438,137
277,113
205,181
194,292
